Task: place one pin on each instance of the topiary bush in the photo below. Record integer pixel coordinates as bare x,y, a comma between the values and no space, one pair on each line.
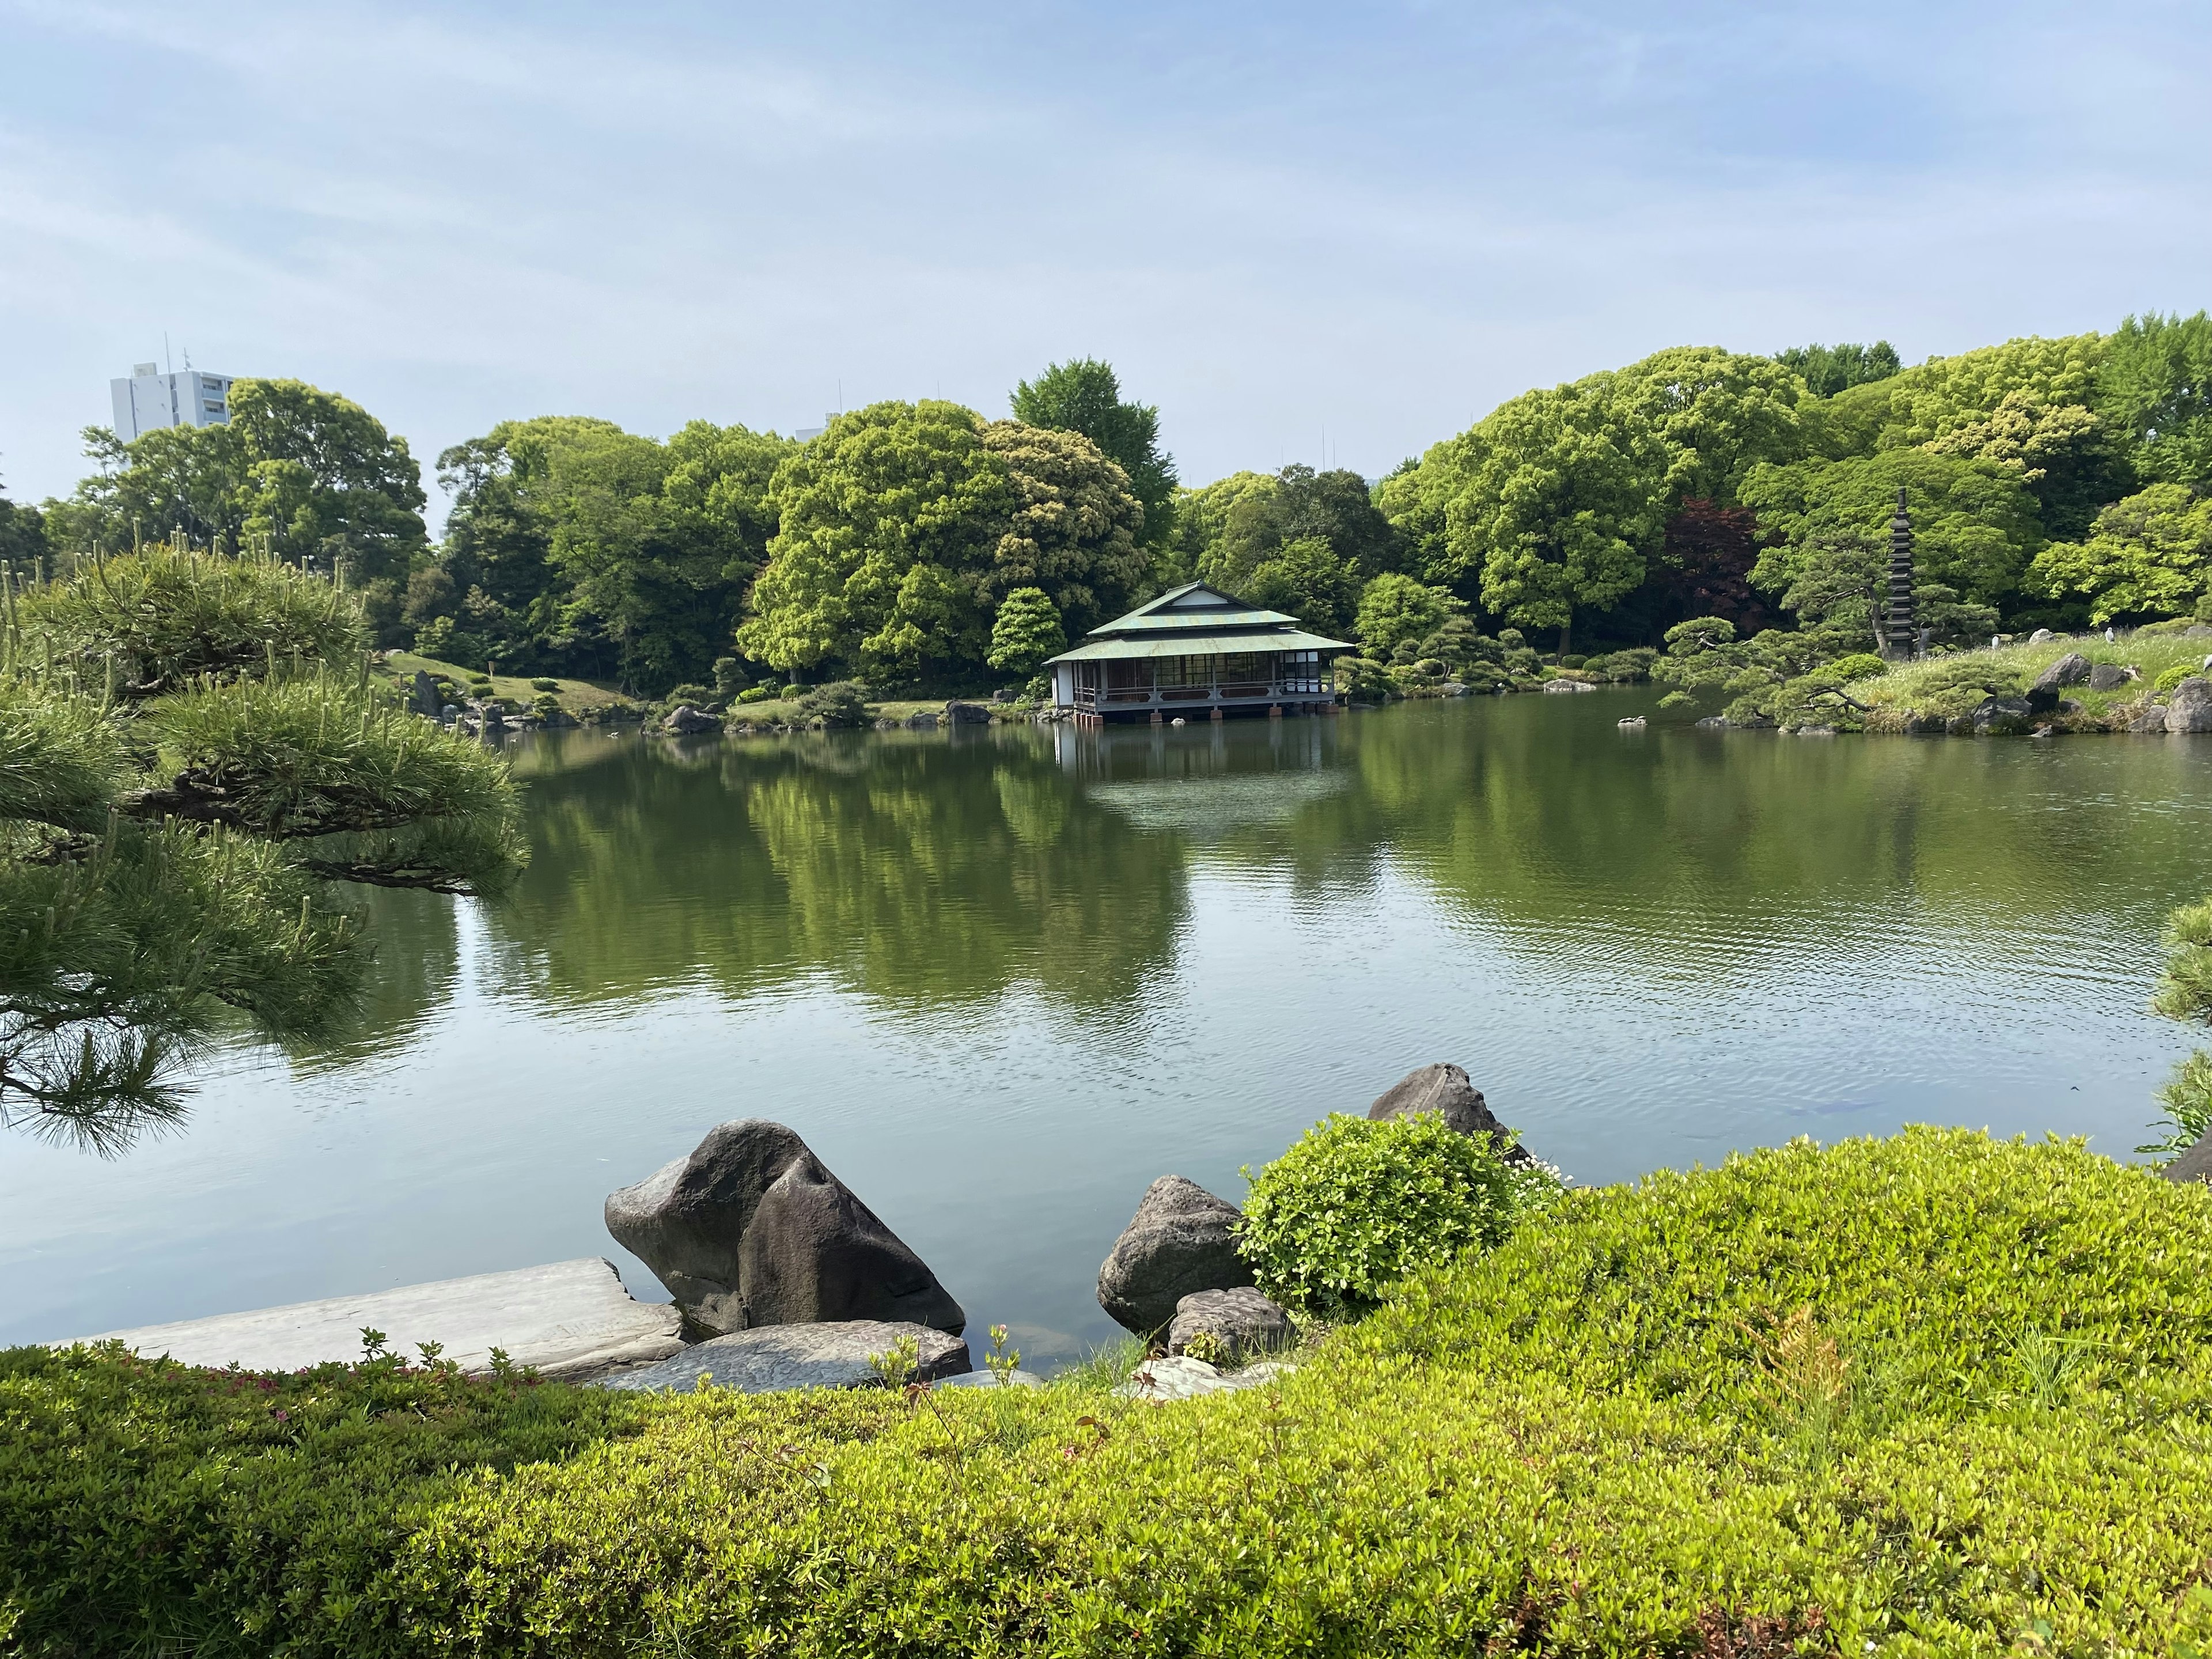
842,704
757,694
543,684
1357,1204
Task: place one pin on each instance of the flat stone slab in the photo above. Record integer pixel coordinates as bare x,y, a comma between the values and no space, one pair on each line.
1182,1377
570,1320
771,1359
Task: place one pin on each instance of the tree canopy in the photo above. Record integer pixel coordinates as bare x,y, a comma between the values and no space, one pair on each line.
299,473
2149,555
1085,395
192,767
1827,369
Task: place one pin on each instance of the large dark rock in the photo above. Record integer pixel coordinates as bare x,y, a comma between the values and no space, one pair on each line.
686,721
2003,714
750,1230
1445,1089
2190,708
967,713
2193,1166
1179,1241
841,1355
2109,677
1241,1322
2072,669
424,698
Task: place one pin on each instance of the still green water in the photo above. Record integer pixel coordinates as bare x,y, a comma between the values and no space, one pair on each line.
1000,979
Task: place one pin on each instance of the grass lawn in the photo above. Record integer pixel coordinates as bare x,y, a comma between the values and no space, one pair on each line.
579,697
1909,684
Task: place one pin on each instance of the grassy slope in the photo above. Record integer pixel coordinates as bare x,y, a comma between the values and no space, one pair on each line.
1930,1394
2151,653
577,696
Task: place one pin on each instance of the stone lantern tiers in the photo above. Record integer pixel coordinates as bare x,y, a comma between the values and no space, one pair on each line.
1898,634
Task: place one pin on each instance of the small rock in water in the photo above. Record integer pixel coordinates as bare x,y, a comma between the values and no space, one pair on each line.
1178,721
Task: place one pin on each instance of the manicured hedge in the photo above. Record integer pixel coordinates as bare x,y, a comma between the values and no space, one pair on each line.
1923,1395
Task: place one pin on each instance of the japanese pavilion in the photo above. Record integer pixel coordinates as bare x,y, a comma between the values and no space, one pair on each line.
1195,648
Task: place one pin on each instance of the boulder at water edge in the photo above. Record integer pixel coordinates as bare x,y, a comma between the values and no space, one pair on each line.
841,1355
1445,1089
2194,1165
1241,1323
686,721
967,713
2071,669
750,1230
2190,708
1180,1241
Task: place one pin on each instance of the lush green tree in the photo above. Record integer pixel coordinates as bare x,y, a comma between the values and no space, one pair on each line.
1252,522
2157,387
1025,631
301,473
2148,555
1085,395
1828,370
194,763
575,545
1202,519
1395,610
1305,578
1069,526
1975,526
23,543
1718,414
1555,497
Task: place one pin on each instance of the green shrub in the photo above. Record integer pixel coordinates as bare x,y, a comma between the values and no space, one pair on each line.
757,694
2172,676
1357,1204
544,685
730,677
793,691
839,704
1933,1395
1858,665
697,695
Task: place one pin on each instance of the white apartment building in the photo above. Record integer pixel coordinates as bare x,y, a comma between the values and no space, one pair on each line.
150,398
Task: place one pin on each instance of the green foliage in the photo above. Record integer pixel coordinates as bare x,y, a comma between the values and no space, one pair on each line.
2184,990
575,545
2157,387
2149,555
1306,578
730,677
1084,396
902,526
758,694
279,1497
1364,680
1717,414
189,753
541,684
1974,524
1550,502
300,472
1931,1395
1357,1204
841,705
1828,370
1395,610
1025,631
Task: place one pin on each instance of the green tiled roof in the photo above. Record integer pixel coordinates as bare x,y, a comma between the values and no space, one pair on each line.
1209,645
1175,611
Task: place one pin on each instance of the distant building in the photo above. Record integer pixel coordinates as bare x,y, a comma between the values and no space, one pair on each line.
150,398
808,433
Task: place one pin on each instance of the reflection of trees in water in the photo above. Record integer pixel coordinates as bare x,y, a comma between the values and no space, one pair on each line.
1546,817
416,939
916,869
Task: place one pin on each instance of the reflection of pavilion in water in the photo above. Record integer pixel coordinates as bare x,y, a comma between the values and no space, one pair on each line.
1209,779
1195,649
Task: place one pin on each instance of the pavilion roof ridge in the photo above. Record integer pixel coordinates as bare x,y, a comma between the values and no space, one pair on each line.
1181,609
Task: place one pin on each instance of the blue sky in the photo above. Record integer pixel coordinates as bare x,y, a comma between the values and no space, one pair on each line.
1332,235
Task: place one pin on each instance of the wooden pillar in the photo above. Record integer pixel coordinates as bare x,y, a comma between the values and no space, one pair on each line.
1274,711
1217,711
1156,717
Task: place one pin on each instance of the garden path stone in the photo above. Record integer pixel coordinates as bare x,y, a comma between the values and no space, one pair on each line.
839,1354
570,1320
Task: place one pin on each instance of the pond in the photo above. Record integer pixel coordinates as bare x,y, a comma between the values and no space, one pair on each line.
1001,979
